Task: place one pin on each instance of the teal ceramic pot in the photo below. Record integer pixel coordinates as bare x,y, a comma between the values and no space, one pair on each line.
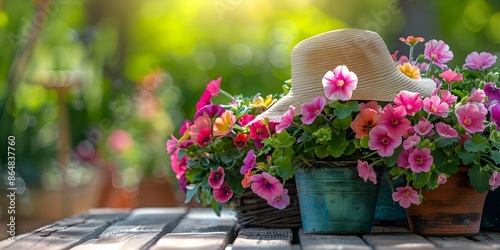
491,212
387,211
335,200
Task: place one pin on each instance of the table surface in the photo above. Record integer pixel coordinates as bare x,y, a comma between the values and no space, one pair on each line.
200,228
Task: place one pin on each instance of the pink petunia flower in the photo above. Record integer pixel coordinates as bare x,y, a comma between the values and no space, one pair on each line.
446,131
216,178
411,141
423,66
382,141
423,127
281,201
266,186
471,118
480,61
286,120
184,127
438,52
245,119
442,179
249,162
434,105
312,109
178,165
205,99
366,172
258,130
172,144
403,158
214,87
494,180
448,98
477,95
339,83
200,123
222,194
394,119
406,196
410,101
420,160
369,105
451,76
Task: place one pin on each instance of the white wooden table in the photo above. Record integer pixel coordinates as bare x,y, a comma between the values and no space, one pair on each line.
179,228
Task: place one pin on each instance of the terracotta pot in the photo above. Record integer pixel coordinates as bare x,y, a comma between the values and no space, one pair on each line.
454,208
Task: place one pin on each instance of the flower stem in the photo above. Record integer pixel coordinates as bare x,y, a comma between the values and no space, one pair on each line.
228,95
410,56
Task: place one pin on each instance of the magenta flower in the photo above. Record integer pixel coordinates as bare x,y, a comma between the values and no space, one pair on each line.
245,119
178,165
281,201
214,87
494,180
446,131
438,52
495,114
492,92
366,172
480,61
216,178
448,98
222,194
212,110
312,109
249,162
204,137
411,141
406,196
394,120
382,141
410,101
266,186
172,144
442,179
286,120
451,76
339,83
423,127
205,99
258,130
403,158
471,118
420,160
477,95
434,105
184,127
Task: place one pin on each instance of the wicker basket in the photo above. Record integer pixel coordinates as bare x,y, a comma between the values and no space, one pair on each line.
254,211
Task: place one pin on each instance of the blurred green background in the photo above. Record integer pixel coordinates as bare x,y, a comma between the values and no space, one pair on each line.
92,89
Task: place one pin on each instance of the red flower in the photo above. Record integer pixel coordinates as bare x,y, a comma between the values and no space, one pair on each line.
258,130
240,140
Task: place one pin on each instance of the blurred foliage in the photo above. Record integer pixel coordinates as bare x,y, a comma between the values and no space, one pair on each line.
107,48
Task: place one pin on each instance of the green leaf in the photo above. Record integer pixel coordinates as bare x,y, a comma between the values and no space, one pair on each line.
342,123
495,155
337,147
495,138
468,157
445,164
285,167
446,142
217,207
433,181
397,171
321,152
191,192
344,110
393,159
421,179
364,141
182,153
476,143
479,178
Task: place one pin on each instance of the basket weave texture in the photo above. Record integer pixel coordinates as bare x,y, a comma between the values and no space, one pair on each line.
253,211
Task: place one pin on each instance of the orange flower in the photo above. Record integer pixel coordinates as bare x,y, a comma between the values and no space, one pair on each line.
261,103
246,180
411,71
364,122
411,40
224,124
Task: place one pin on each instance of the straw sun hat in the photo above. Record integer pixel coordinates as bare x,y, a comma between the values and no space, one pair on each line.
363,52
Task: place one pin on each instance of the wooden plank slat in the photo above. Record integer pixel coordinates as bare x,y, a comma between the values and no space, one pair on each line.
200,229
138,231
263,238
323,242
68,232
389,229
459,243
397,241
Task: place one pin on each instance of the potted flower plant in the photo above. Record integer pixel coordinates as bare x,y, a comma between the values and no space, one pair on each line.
446,145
